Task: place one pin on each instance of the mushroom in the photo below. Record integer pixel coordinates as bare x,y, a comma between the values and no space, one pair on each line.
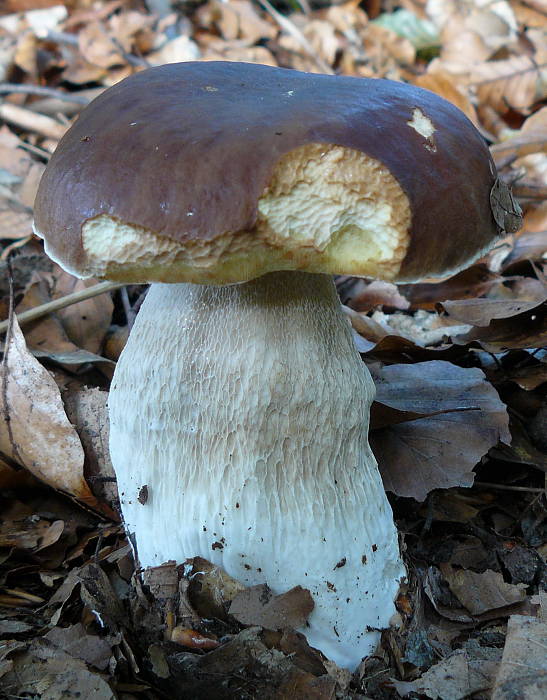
240,401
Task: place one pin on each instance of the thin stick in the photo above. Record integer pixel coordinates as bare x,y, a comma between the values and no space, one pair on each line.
63,302
16,88
32,121
500,487
293,30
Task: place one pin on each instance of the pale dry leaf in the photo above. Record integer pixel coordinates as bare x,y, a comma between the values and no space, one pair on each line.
415,458
506,83
97,48
258,606
481,593
479,312
461,675
50,673
180,49
523,670
444,84
87,322
491,20
38,433
87,411
323,39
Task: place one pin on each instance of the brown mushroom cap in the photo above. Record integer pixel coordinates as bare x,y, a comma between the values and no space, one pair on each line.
219,172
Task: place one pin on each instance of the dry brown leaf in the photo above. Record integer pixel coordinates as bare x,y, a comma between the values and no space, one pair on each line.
479,312
379,293
415,458
470,283
523,669
258,606
461,675
443,84
508,83
50,673
527,330
481,593
211,589
97,48
34,429
74,640
31,533
87,322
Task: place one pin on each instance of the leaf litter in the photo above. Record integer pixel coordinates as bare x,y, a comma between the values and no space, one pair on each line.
459,365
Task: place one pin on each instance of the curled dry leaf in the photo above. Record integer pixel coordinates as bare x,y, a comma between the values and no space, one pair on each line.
481,593
87,322
460,675
34,428
526,330
211,589
508,83
470,283
523,669
430,453
258,606
479,312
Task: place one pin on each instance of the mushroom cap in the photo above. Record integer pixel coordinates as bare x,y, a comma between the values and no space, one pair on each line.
218,172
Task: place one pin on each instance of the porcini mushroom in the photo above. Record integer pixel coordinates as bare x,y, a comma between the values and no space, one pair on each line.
240,401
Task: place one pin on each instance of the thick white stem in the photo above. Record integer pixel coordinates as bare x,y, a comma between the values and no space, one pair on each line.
244,410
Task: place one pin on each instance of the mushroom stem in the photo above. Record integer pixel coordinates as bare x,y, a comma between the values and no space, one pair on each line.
250,431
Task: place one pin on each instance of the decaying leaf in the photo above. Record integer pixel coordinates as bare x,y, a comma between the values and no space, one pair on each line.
34,429
51,674
460,675
211,589
258,606
506,210
429,453
523,669
479,312
480,593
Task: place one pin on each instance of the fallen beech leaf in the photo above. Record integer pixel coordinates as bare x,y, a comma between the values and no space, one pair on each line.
211,589
479,312
442,83
192,639
428,453
95,651
302,684
470,283
87,411
480,593
258,606
48,672
31,534
523,669
34,429
526,330
379,293
460,675
507,83
87,322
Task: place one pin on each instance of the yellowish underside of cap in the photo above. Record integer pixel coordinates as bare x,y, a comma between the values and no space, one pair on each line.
327,209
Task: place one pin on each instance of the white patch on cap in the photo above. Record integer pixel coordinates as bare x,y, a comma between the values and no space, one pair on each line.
422,124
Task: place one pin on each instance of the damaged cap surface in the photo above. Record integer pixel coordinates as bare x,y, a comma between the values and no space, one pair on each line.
218,172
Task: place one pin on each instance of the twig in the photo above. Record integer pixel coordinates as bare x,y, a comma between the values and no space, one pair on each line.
16,244
293,30
5,369
68,300
32,121
500,487
15,88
